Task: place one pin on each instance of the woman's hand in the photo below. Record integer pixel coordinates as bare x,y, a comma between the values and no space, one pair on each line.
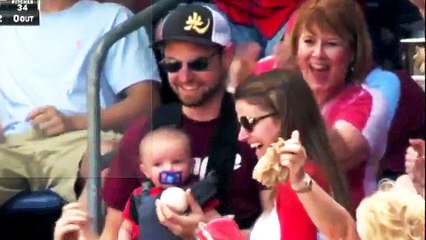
73,224
293,156
243,63
415,162
183,226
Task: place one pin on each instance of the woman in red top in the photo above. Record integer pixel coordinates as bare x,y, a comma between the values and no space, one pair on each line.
280,104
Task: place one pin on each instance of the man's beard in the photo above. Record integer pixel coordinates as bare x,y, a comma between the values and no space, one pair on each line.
206,96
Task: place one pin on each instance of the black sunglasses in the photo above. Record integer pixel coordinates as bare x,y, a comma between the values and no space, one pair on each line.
198,64
248,123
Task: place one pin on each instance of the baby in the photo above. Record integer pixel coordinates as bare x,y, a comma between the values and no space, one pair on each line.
166,161
165,156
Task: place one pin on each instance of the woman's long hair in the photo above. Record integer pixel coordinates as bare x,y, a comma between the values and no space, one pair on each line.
287,93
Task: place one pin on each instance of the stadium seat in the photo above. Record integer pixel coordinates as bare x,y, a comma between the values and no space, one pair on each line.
30,215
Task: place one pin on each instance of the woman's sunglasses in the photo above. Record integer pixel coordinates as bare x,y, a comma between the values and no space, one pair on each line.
198,64
248,123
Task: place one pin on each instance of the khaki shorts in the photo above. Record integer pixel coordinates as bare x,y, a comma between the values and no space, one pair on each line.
30,163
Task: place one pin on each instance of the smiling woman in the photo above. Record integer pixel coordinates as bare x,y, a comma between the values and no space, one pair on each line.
280,104
331,44
332,47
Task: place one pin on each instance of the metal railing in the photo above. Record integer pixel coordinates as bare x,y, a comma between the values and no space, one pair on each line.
96,62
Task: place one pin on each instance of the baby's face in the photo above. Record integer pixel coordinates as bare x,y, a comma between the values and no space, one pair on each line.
164,156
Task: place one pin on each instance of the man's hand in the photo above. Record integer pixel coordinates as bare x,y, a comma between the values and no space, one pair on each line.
183,226
50,121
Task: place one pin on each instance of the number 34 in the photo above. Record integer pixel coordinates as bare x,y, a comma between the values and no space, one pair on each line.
22,7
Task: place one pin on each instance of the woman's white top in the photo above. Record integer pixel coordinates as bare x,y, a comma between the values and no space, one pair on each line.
267,226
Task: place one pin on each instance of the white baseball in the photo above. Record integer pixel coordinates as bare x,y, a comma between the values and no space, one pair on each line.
175,198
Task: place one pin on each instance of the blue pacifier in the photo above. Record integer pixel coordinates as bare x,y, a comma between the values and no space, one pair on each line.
170,178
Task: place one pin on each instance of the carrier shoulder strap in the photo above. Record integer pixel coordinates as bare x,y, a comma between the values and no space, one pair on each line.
135,200
224,149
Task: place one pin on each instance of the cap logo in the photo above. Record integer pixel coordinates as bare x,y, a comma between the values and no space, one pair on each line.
195,22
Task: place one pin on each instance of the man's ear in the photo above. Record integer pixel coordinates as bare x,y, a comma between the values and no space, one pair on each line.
145,171
227,56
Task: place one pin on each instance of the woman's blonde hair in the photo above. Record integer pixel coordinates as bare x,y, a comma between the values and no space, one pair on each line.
391,213
343,18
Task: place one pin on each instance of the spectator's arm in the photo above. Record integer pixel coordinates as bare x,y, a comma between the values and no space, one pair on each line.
113,221
130,70
243,63
348,144
125,232
141,98
331,218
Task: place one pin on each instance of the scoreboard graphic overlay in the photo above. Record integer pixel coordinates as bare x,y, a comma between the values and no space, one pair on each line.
19,12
